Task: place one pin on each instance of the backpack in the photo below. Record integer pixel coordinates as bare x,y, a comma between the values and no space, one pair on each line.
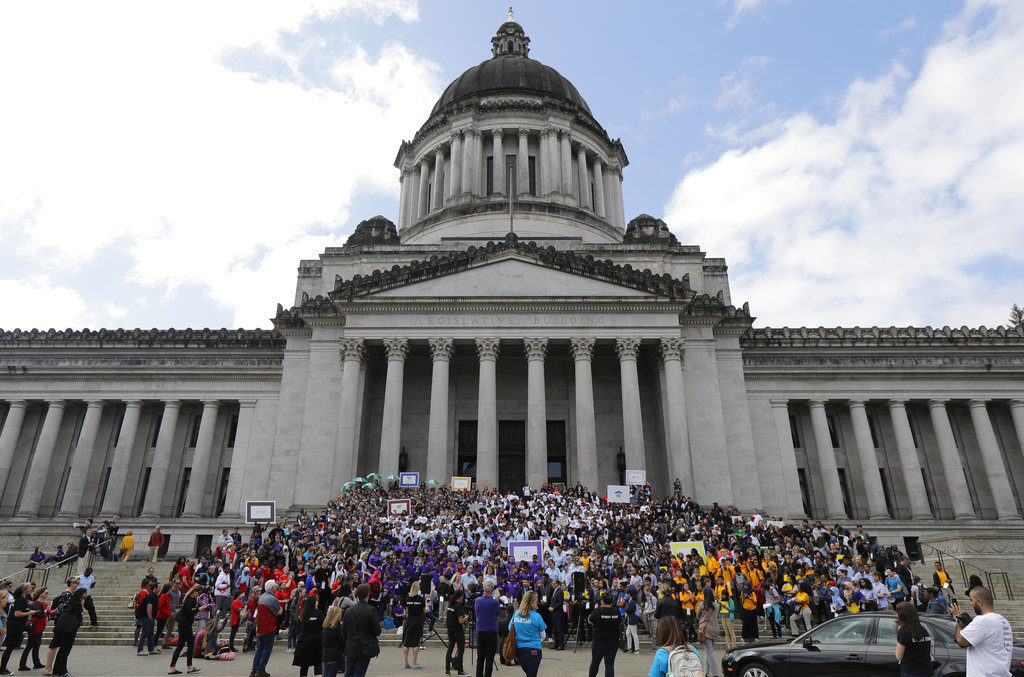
685,661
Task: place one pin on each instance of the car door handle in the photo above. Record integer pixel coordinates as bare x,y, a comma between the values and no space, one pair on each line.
854,657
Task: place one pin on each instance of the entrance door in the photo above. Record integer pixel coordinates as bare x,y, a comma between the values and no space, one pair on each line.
511,455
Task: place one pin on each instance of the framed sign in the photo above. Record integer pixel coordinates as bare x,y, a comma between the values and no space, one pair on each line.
524,551
462,483
636,477
683,548
399,506
618,493
409,480
260,511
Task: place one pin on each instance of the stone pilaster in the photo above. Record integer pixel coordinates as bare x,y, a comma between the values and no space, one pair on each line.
868,461
827,465
952,467
9,438
581,160
122,458
487,413
39,470
787,459
81,460
909,464
498,154
992,457
437,433
437,194
196,495
586,424
391,421
536,413
351,352
599,203
234,499
455,184
523,163
680,462
632,417
566,164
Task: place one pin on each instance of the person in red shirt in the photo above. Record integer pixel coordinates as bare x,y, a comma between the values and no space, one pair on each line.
163,610
236,618
35,626
268,609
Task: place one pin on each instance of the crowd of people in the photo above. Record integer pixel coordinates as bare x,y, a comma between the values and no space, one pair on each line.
602,573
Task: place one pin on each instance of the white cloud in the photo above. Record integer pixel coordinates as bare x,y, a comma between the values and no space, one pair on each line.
130,128
906,24
904,209
739,8
37,302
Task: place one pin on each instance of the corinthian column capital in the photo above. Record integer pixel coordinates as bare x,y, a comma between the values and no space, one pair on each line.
673,348
351,348
397,348
627,348
535,348
582,348
487,348
441,348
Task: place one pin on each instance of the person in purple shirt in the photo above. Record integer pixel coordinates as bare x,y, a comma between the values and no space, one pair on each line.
486,609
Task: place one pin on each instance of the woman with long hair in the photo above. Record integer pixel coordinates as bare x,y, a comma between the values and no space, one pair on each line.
914,647
36,625
308,645
332,644
17,622
670,635
66,629
163,612
529,628
707,629
748,611
186,617
412,634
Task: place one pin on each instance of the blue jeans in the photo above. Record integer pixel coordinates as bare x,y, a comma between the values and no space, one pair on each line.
293,634
356,667
529,661
146,634
331,669
264,645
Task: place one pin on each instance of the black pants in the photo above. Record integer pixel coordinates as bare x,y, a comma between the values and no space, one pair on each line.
185,641
558,628
603,650
456,638
13,640
65,641
161,623
486,647
32,648
88,605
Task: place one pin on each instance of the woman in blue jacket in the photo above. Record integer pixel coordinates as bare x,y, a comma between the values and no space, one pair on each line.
529,627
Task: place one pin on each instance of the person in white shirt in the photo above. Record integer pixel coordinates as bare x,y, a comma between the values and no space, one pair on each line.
222,590
988,637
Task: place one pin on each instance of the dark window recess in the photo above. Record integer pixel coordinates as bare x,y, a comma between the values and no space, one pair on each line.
873,427
511,455
913,431
794,431
511,176
193,437
117,432
232,431
844,485
929,491
467,449
102,495
222,494
532,162
186,475
430,194
832,432
490,175
141,501
887,493
556,452
593,197
805,490
156,429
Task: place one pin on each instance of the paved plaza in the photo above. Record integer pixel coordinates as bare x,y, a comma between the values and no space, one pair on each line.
98,661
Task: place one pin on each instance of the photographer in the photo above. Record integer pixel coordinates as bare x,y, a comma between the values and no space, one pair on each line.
455,619
486,608
605,619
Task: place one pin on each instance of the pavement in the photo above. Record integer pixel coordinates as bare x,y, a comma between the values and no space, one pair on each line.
100,661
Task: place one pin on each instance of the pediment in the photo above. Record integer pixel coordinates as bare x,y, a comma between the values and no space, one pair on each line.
512,277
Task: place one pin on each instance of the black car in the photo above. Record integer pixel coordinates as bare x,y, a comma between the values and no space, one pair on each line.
857,645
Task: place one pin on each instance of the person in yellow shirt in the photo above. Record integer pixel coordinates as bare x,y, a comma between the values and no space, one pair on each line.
127,545
728,571
801,609
688,603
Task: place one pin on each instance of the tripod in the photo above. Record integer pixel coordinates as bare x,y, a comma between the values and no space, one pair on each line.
578,621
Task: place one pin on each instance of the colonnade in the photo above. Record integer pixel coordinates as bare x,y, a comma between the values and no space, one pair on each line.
952,468
462,156
534,351
86,451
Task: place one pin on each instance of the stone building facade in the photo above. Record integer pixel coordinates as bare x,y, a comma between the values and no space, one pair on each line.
514,327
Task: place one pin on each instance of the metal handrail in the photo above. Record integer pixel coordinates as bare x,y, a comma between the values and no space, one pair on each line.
31,572
989,576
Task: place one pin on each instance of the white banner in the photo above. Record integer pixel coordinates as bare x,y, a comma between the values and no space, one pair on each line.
636,477
618,493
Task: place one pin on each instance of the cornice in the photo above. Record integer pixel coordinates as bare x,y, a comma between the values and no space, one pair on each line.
846,337
142,338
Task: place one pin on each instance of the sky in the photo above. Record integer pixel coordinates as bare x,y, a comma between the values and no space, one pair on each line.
168,165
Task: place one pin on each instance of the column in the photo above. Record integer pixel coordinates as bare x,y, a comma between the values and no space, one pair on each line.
455,184
39,472
609,193
680,463
992,457
1017,415
402,198
391,421
598,188
154,504
952,467
536,413
909,464
118,478
475,162
523,163
421,199
834,509
467,161
437,194
437,433
581,159
487,413
234,500
9,438
566,163
787,459
201,461
81,459
868,461
351,354
549,168
498,151
632,416
620,209
586,424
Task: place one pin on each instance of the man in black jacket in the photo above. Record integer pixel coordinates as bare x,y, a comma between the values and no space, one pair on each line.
360,630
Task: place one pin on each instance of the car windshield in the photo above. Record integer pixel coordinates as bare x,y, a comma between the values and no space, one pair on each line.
852,630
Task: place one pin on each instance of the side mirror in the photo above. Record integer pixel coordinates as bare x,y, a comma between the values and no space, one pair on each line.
809,644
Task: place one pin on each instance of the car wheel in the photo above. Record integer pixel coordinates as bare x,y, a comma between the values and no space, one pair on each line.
756,670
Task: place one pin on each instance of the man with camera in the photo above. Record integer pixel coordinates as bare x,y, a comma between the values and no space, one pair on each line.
455,619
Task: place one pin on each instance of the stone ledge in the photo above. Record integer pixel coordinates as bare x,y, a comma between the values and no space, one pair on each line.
768,337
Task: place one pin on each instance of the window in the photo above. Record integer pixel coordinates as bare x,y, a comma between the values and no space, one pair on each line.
490,175
873,427
430,194
193,437
232,431
556,452
849,631
794,431
833,433
156,429
532,162
466,466
940,635
885,633
593,197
